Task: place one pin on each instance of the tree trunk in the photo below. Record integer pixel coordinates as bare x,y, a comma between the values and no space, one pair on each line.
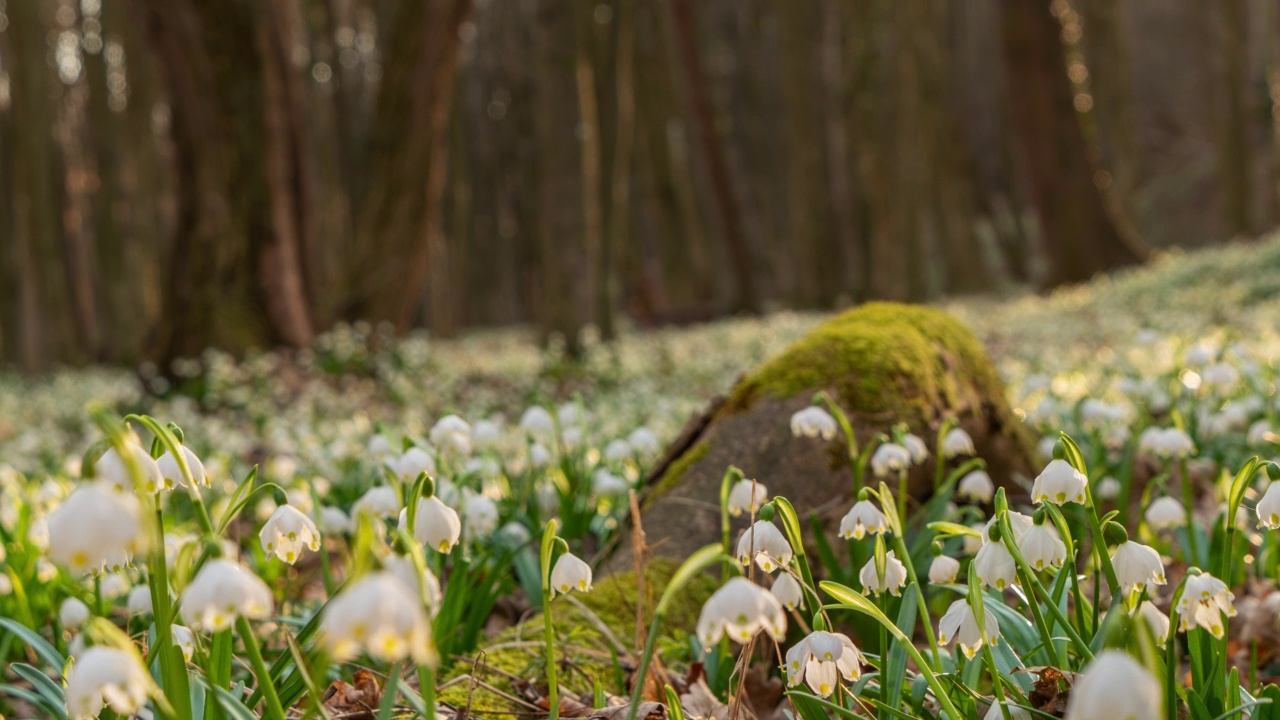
1109,80
591,300
618,235
699,109
1079,237
1232,118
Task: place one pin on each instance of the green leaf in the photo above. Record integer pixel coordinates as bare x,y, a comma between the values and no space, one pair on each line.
895,669
47,688
39,645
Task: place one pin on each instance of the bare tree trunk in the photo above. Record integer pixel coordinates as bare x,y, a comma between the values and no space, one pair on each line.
838,71
699,104
618,236
1079,236
807,238
591,300
1233,119
1112,89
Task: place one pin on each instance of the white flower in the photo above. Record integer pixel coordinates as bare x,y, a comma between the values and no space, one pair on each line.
764,543
895,576
413,463
73,613
915,445
1165,513
1204,600
1269,507
1200,354
379,501
976,486
379,449
105,676
943,570
96,527
452,435
746,496
617,451
1108,488
380,615
820,658
1018,523
173,475
1137,566
6,585
788,591
1042,547
1115,687
813,421
1016,712
890,458
864,517
515,533
287,532
644,441
961,625
436,525
957,442
740,608
114,585
539,455
607,484
1258,432
222,591
538,421
139,602
1167,443
570,573
115,469
1059,483
480,513
995,566
1158,621
332,520
972,543
424,582
184,639
1220,375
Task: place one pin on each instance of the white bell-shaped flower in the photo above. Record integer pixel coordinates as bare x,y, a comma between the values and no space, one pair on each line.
606,484
960,624
1158,621
73,613
1165,513
889,459
1042,547
412,463
995,566
741,609
96,527
424,582
788,591
943,570
644,441
479,514
114,468
539,455
820,659
1205,599
1137,566
957,442
764,543
379,501
1018,523
1108,488
139,601
746,496
379,615
287,533
172,474
864,517
113,585
436,525
617,451
814,421
106,677
452,435
333,521
1059,483
538,421
915,445
570,573
1269,507
379,448
1259,432
893,580
184,639
221,592
1114,686
976,486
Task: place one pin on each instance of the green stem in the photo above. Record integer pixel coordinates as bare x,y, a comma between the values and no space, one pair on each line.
553,690
173,667
922,606
902,494
389,693
1188,499
275,710
218,670
1028,575
427,689
855,465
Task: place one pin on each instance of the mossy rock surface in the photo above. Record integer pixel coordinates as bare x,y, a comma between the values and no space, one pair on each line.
884,363
519,652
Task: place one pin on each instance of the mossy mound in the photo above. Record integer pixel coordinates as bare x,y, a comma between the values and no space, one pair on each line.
884,363
519,651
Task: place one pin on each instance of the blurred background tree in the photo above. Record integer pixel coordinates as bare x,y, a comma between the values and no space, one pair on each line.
179,174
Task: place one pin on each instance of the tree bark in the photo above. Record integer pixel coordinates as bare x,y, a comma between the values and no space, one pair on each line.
1079,237
709,143
618,234
1232,119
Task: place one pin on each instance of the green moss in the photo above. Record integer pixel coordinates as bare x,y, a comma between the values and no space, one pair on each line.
677,469
882,359
613,601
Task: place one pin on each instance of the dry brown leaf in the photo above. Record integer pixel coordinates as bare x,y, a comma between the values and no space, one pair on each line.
358,701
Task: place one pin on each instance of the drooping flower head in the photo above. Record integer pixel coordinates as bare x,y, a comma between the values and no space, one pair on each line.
820,659
893,580
764,543
96,528
114,468
740,609
814,421
1205,599
960,624
379,615
172,474
1115,687
570,573
452,435
746,496
890,458
864,517
287,533
435,525
957,442
1137,566
976,486
107,677
223,591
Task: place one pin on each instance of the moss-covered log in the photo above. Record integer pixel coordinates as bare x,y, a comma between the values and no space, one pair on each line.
884,363
588,653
